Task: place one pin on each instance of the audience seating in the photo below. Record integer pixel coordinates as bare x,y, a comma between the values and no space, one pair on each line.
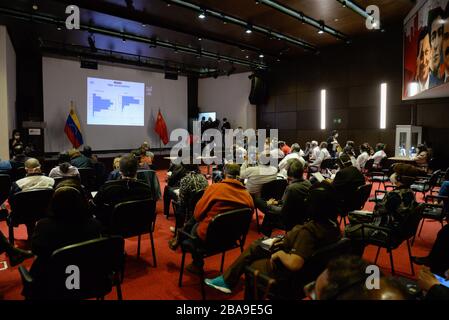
392,239
27,207
88,178
190,208
149,177
271,190
368,166
99,262
134,218
426,184
17,174
292,287
432,211
5,187
357,202
225,232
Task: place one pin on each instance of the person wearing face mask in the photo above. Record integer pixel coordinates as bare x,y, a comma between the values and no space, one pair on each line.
394,209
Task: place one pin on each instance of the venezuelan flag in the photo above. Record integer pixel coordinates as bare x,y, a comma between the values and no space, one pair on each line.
73,129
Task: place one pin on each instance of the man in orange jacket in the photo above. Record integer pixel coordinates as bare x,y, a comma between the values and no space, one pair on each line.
229,194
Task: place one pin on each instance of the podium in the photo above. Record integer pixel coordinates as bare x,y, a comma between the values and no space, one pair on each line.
34,137
408,137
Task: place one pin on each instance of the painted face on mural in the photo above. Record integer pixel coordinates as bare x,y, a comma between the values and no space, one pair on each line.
445,47
436,38
424,59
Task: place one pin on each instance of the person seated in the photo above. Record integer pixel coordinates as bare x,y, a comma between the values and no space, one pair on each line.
363,157
69,222
98,166
378,155
276,152
145,155
284,147
345,278
438,257
227,195
19,158
15,255
291,210
5,166
314,151
115,173
257,176
307,151
79,160
422,157
346,181
432,287
174,175
294,250
393,210
296,153
64,169
34,179
193,182
115,192
323,155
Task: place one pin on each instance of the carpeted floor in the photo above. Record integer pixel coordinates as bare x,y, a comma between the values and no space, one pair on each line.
143,281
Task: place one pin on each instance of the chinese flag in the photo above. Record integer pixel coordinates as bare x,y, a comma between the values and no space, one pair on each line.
161,128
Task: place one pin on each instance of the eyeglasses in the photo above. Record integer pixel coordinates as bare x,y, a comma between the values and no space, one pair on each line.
310,290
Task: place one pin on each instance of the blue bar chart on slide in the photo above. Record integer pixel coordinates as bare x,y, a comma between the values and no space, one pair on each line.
114,102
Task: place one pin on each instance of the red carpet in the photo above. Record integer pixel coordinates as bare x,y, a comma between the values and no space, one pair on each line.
143,281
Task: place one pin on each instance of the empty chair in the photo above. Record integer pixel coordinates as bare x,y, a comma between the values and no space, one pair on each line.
134,218
357,202
27,207
437,212
225,232
91,267
426,184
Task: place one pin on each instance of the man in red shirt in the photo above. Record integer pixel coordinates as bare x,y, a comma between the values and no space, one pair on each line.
229,194
284,147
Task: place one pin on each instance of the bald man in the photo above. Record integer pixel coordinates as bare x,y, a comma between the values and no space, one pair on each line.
34,178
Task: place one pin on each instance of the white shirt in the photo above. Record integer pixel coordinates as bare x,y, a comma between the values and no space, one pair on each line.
378,156
35,182
283,164
57,173
361,160
323,155
315,153
277,154
257,176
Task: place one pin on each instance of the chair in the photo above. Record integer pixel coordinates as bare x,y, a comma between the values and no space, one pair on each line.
98,263
427,184
381,174
437,212
292,286
149,177
134,218
394,238
356,202
190,208
5,187
28,207
327,164
17,174
271,190
88,178
368,166
225,232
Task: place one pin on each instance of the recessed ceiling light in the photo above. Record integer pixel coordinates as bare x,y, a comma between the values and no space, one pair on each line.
199,38
261,55
35,7
320,31
248,31
247,57
202,14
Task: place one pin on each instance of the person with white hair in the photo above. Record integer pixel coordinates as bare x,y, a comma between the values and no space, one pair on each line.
34,179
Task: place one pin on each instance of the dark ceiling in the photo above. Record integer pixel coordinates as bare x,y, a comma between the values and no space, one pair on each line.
170,34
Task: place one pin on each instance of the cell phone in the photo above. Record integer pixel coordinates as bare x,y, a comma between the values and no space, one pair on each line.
442,280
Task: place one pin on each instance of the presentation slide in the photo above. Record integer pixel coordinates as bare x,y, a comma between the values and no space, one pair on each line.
115,103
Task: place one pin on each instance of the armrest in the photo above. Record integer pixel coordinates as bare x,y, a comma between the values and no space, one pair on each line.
256,272
435,197
392,187
379,228
25,275
187,235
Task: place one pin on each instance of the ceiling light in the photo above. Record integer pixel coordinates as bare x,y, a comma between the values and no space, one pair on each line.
35,7
202,14
199,38
261,55
320,31
248,31
247,57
